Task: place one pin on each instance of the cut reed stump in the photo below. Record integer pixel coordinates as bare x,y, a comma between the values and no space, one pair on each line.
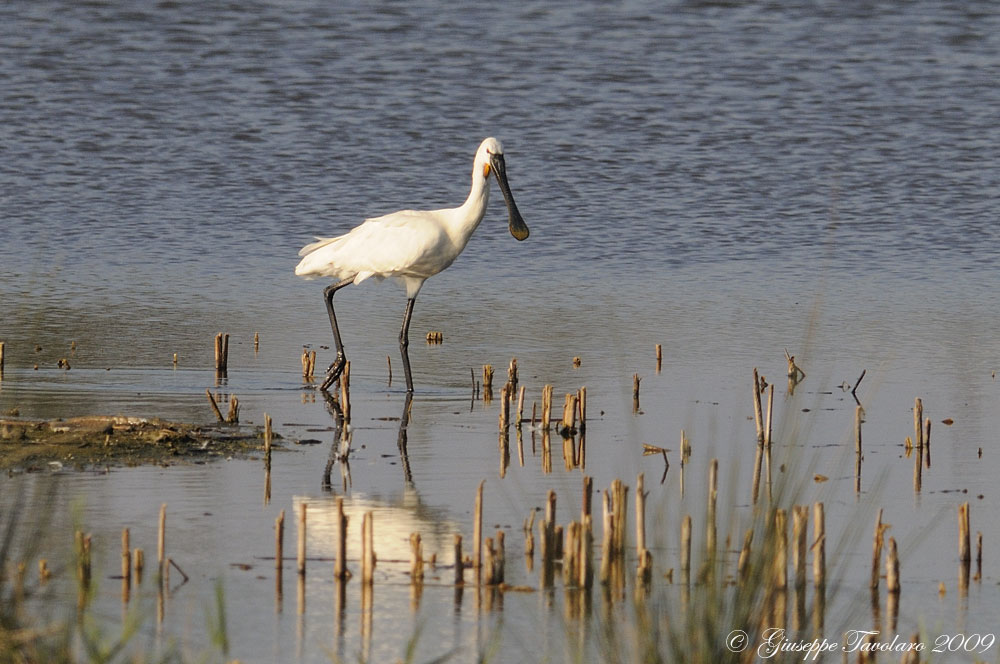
877,543
279,545
800,526
126,565
308,364
780,549
340,567
161,541
964,540
645,569
301,559
686,550
487,383
546,407
233,416
567,427
819,547
757,409
416,558
892,568
459,562
367,549
221,353
477,532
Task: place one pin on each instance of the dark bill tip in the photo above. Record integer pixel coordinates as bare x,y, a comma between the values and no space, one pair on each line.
517,226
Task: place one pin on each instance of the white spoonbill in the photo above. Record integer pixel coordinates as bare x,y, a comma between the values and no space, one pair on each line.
408,246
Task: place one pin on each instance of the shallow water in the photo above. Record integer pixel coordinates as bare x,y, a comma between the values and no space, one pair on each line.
726,181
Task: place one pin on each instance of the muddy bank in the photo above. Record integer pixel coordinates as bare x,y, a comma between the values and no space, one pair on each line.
87,442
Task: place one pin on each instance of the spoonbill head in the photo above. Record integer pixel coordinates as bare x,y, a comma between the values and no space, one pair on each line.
409,246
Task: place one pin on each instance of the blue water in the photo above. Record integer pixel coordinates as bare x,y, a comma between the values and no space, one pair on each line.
727,180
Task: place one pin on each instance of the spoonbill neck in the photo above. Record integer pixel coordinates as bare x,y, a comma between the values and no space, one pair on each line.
471,212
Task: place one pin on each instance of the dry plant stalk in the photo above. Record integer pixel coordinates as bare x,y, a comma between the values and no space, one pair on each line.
214,405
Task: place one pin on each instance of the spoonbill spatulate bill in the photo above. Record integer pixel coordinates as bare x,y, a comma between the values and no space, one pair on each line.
408,246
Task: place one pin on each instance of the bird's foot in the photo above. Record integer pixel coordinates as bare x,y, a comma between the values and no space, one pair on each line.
333,371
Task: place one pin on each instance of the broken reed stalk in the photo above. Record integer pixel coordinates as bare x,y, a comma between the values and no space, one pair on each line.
979,555
767,426
214,405
487,382
279,544
504,407
586,561
780,549
713,492
567,427
256,342
581,400
892,568
529,535
645,570
308,364
659,357
571,557
546,407
302,540
757,410
499,559
964,541
139,558
927,442
877,552
918,423
744,561
608,540
635,392
221,352
1,356
857,448
416,558
459,562
161,540
800,527
619,501
340,567
512,375
268,435
233,416
477,533
547,537
520,406
819,546
367,548
686,550
126,564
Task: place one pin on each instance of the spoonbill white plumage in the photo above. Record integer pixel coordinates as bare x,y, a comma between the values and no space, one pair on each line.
408,246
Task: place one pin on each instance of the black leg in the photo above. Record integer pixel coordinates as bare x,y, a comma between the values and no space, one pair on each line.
404,342
337,366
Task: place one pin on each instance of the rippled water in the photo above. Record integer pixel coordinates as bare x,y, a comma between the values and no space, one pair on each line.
727,180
